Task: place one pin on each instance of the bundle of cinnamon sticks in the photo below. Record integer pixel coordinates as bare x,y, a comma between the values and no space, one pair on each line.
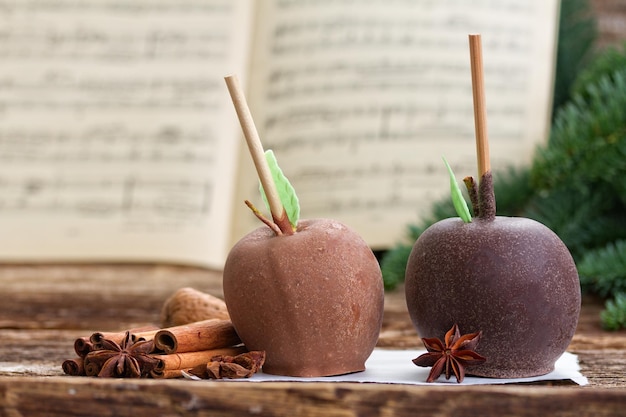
208,348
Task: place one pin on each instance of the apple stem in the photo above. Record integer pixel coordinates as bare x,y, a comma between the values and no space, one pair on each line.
279,215
486,197
264,219
472,190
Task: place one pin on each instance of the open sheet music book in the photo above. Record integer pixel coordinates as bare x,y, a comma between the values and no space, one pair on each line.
118,140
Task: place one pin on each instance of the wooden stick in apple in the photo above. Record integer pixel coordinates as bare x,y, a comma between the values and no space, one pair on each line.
486,197
480,111
279,215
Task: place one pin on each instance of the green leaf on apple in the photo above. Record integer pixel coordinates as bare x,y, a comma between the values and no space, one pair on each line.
286,192
460,205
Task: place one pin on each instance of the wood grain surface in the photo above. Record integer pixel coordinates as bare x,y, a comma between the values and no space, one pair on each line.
45,307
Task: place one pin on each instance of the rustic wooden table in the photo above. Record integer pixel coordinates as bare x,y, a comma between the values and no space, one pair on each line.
45,307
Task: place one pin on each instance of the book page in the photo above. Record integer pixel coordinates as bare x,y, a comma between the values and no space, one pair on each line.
360,101
117,140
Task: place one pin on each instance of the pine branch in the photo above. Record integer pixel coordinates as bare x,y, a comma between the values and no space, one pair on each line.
513,191
393,265
577,34
588,140
602,65
603,271
583,219
614,315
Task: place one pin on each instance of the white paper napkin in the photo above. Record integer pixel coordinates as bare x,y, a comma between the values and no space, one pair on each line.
396,367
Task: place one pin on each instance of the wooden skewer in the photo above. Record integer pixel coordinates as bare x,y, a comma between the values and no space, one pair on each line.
258,154
480,112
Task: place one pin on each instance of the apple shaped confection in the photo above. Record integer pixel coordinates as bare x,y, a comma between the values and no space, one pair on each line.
312,300
511,278
309,293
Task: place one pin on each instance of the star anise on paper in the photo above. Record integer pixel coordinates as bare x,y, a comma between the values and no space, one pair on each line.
231,367
129,359
451,356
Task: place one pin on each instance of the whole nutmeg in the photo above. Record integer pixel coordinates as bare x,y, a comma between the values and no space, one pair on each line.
188,305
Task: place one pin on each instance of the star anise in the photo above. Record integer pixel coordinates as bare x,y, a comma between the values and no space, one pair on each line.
231,367
452,357
129,359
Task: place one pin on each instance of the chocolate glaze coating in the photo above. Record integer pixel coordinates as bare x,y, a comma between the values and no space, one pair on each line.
313,300
512,278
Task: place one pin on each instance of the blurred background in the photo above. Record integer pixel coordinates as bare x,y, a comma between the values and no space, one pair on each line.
611,21
576,183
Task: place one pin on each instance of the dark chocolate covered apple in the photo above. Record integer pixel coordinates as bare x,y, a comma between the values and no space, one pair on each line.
511,278
307,292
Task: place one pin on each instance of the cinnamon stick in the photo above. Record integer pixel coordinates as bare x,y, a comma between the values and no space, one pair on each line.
82,346
167,374
185,347
146,333
91,367
74,367
198,336
181,361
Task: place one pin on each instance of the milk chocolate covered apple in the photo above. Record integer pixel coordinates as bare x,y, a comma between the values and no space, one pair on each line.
311,300
511,278
307,292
